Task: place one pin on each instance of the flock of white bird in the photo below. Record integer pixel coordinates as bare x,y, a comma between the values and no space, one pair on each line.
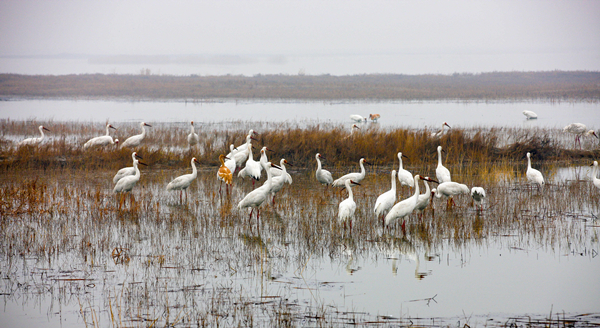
385,206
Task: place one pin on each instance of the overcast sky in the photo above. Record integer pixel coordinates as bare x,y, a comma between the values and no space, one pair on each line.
297,27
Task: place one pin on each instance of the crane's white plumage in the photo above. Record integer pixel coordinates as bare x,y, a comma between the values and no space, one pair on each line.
358,118
192,138
34,141
356,177
347,206
404,176
450,189
258,196
230,160
423,199
530,115
478,194
441,172
353,128
405,207
252,168
101,141
127,183
126,171
441,132
282,172
533,175
243,151
386,200
595,175
579,130
136,140
182,182
322,175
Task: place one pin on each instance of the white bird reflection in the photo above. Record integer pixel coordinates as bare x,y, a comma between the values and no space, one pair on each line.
394,248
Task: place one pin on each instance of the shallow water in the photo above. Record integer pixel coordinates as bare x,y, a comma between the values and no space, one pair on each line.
393,114
525,254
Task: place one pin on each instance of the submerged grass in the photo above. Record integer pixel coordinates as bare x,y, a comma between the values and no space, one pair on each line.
158,262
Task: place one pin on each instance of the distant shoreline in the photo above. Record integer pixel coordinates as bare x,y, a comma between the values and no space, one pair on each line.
547,86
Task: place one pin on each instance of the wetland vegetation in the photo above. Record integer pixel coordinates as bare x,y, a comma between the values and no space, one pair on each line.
158,262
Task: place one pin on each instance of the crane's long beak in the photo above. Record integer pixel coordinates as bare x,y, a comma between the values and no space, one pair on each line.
138,156
251,137
146,124
112,127
288,163
356,183
446,124
44,128
142,163
404,156
275,166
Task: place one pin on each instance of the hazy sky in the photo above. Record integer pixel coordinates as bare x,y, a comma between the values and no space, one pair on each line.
298,27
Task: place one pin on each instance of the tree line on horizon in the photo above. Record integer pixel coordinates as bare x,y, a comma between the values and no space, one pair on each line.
503,86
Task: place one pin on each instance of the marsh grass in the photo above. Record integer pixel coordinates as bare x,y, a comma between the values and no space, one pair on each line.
156,262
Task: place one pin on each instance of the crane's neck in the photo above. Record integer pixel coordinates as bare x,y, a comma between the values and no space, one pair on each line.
41,132
192,129
394,183
528,163
350,196
427,190
143,131
137,170
318,164
362,169
416,195
439,157
282,165
195,171
269,176
400,159
107,129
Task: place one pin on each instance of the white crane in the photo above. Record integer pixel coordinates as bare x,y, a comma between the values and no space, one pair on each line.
244,151
282,177
441,172
404,176
478,194
182,182
530,115
283,172
126,171
579,130
356,177
441,132
136,140
258,196
450,189
423,199
127,183
353,128
347,206
534,176
322,175
405,207
252,168
192,138
595,175
358,118
230,160
102,141
386,200
34,141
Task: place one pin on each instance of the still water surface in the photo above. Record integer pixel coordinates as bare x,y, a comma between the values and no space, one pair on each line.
393,114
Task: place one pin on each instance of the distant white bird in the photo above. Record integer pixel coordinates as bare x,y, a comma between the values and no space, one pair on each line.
230,160
530,115
579,130
126,171
127,183
283,171
595,175
322,175
358,118
533,175
405,207
136,140
404,176
347,206
374,117
441,132
182,182
34,141
356,177
353,128
281,178
478,194
258,196
450,189
102,141
441,172
386,200
192,138
423,199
